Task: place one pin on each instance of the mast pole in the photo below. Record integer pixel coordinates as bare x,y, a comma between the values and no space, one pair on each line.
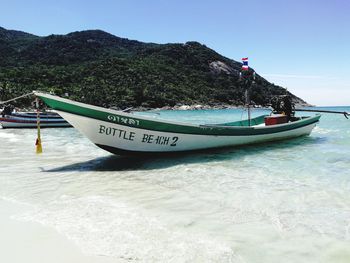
248,82
247,103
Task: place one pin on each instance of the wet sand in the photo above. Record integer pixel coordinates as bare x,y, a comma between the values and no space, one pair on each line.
34,243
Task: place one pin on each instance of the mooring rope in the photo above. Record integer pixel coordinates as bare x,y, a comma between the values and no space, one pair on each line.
22,96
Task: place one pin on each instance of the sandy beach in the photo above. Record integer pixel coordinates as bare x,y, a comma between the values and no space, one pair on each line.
34,243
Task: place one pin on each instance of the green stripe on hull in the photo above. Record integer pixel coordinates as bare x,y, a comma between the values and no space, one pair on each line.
130,120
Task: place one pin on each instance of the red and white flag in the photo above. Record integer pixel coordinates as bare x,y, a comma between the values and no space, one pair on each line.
245,64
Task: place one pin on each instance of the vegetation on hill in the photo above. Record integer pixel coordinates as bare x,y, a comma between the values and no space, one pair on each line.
101,69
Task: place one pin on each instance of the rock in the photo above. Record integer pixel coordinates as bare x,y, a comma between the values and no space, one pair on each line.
218,67
184,107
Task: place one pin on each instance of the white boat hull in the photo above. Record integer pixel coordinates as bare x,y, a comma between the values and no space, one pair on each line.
123,139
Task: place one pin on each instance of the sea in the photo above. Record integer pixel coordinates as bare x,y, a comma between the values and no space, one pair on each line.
286,201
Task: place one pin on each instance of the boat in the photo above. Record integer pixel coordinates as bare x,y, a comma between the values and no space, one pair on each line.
125,133
29,120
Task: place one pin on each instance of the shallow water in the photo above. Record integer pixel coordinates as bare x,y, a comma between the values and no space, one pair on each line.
279,202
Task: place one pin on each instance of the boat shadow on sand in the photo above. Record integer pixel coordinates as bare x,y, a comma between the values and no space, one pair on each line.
146,162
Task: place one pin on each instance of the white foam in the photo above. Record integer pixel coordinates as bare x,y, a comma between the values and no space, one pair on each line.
8,136
103,226
320,130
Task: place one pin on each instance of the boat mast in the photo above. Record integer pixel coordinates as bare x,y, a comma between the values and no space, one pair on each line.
247,103
247,98
250,89
248,82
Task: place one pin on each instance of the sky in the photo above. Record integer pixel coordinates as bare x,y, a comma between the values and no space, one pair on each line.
302,45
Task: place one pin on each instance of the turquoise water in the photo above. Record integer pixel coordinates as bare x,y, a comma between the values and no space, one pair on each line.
280,202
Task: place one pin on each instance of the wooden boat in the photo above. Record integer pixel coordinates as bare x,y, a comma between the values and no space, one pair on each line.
127,134
29,120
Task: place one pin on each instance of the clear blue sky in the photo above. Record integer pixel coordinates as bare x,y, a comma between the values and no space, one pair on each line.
303,45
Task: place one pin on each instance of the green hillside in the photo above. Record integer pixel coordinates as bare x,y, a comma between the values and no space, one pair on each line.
101,69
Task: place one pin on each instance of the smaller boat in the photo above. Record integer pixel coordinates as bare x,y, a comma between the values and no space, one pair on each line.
10,119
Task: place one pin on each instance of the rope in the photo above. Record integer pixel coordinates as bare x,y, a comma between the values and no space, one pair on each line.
25,95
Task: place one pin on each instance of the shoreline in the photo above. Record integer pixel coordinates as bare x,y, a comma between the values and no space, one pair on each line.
184,107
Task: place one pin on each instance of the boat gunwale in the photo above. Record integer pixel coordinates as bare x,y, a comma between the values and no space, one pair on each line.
112,111
4,120
33,115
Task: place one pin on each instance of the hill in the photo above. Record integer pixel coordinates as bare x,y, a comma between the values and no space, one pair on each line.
99,68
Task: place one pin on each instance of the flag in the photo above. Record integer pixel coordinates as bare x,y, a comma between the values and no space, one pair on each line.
245,64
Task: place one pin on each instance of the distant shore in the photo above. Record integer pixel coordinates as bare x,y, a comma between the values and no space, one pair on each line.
185,107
